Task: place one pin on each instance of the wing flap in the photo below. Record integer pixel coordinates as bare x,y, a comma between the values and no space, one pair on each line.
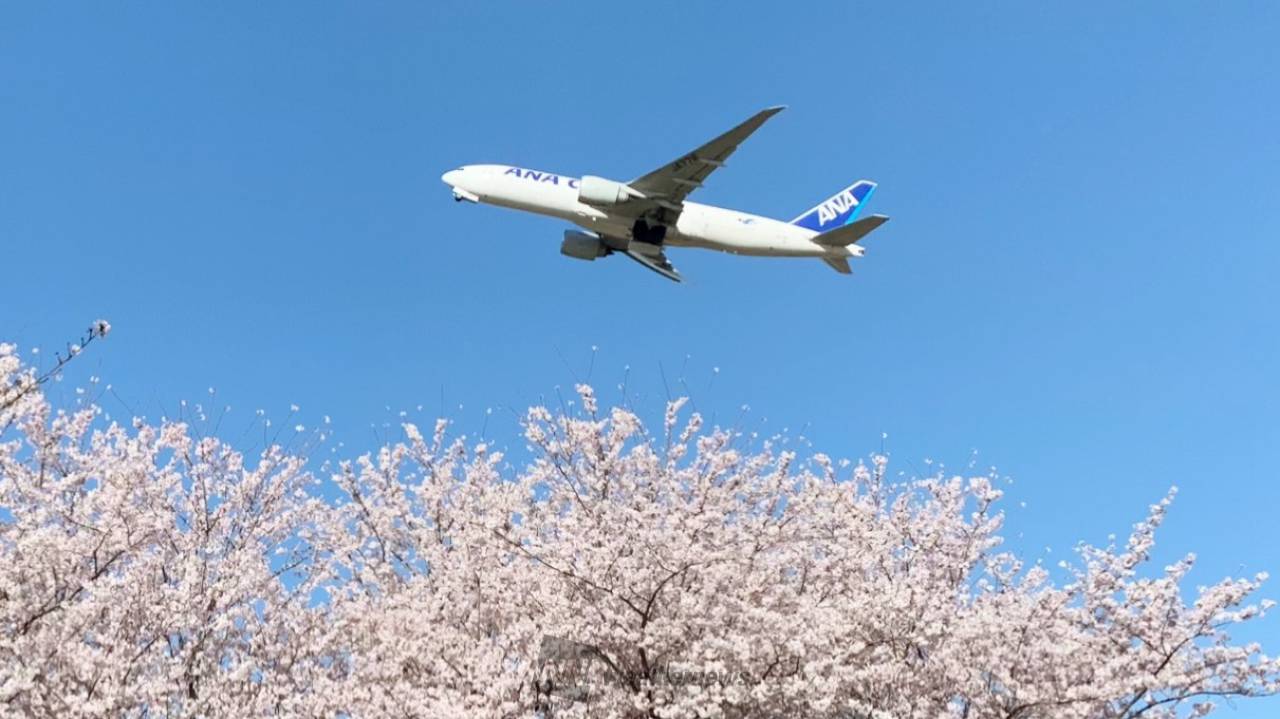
652,257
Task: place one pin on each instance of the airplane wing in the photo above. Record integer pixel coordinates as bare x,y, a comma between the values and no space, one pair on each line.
670,184
654,258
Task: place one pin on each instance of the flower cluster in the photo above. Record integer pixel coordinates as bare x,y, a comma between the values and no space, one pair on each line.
684,573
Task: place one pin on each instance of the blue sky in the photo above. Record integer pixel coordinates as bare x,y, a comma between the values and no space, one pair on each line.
1079,280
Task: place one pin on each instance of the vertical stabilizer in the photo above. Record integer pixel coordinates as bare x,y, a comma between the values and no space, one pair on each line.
839,209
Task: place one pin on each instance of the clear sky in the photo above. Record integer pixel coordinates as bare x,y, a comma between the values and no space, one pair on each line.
1079,280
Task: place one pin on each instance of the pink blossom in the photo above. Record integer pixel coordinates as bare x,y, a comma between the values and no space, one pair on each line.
619,572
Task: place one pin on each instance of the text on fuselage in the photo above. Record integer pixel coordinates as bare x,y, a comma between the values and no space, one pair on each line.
535,176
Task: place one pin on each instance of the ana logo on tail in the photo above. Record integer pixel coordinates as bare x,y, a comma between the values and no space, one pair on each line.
836,206
838,210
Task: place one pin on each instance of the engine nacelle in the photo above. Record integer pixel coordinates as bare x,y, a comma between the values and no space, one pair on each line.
600,192
583,245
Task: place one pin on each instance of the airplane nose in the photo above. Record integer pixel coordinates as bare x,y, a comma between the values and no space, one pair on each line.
451,177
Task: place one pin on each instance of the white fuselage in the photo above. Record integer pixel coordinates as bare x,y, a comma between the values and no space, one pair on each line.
714,228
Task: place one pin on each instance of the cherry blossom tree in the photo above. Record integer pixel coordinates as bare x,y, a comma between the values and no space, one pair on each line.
621,572
143,570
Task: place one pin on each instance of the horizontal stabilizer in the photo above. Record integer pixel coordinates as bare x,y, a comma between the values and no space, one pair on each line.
839,264
850,233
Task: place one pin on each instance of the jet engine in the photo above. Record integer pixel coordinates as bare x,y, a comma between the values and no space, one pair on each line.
583,245
600,192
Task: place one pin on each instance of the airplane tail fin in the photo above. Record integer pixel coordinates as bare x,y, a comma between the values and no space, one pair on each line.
840,209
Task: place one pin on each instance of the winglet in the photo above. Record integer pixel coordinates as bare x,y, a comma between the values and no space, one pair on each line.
754,122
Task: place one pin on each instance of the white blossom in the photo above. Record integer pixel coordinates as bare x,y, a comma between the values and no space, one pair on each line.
618,573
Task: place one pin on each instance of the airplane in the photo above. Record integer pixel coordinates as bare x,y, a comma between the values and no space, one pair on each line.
643,217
